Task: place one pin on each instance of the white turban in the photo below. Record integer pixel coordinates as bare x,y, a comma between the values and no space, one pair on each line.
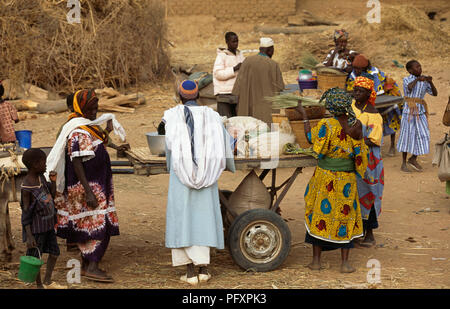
266,42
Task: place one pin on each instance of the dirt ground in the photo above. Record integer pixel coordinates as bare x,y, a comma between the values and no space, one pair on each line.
415,206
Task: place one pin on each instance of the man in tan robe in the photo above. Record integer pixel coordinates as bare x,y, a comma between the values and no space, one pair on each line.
259,77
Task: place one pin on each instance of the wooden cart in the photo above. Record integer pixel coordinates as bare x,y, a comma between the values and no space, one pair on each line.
258,239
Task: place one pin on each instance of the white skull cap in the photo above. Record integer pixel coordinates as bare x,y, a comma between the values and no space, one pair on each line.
266,42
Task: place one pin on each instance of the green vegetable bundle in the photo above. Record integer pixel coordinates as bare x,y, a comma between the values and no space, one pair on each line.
290,100
292,149
308,61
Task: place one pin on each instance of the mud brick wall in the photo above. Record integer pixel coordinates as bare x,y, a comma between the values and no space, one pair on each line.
234,10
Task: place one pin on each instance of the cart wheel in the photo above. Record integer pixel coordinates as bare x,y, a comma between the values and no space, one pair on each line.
260,240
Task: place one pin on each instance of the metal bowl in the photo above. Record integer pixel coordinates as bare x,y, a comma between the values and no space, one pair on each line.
156,143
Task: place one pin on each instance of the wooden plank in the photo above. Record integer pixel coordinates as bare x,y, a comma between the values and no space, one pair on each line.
133,99
114,108
142,159
57,106
41,106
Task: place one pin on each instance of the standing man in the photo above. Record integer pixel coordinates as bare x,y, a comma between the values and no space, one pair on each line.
226,67
193,216
259,77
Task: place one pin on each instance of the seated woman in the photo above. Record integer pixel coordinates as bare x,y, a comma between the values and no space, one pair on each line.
340,57
371,185
332,211
382,85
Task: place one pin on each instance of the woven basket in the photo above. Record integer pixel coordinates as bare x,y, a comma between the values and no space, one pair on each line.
329,80
298,128
277,118
312,112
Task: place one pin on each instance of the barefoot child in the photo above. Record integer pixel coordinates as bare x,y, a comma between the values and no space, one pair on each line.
39,214
414,133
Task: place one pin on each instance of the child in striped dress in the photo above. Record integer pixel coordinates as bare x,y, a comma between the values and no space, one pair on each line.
39,214
414,133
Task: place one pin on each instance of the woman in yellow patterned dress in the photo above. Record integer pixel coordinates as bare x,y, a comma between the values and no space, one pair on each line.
332,210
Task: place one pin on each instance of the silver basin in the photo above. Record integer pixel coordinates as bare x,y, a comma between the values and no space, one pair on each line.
156,143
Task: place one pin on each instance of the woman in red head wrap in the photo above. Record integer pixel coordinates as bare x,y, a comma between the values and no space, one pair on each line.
370,188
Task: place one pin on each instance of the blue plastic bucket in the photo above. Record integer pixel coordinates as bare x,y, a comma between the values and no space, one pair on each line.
307,84
24,138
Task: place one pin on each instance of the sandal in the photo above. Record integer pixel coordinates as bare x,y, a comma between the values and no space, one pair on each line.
191,281
204,277
417,168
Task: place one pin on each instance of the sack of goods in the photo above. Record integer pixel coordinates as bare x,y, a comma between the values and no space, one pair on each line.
446,118
270,145
243,129
250,194
442,158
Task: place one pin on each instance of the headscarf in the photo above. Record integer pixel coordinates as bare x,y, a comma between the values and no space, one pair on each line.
360,61
339,34
82,99
367,83
188,90
338,102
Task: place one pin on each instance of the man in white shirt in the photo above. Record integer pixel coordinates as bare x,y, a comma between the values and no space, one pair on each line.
226,67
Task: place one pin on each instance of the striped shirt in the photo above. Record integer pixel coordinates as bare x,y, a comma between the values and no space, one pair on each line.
41,213
419,91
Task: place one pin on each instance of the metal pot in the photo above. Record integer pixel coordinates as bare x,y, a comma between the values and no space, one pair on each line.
156,143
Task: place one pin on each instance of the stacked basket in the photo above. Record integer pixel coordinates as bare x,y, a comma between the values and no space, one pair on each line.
330,78
314,114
